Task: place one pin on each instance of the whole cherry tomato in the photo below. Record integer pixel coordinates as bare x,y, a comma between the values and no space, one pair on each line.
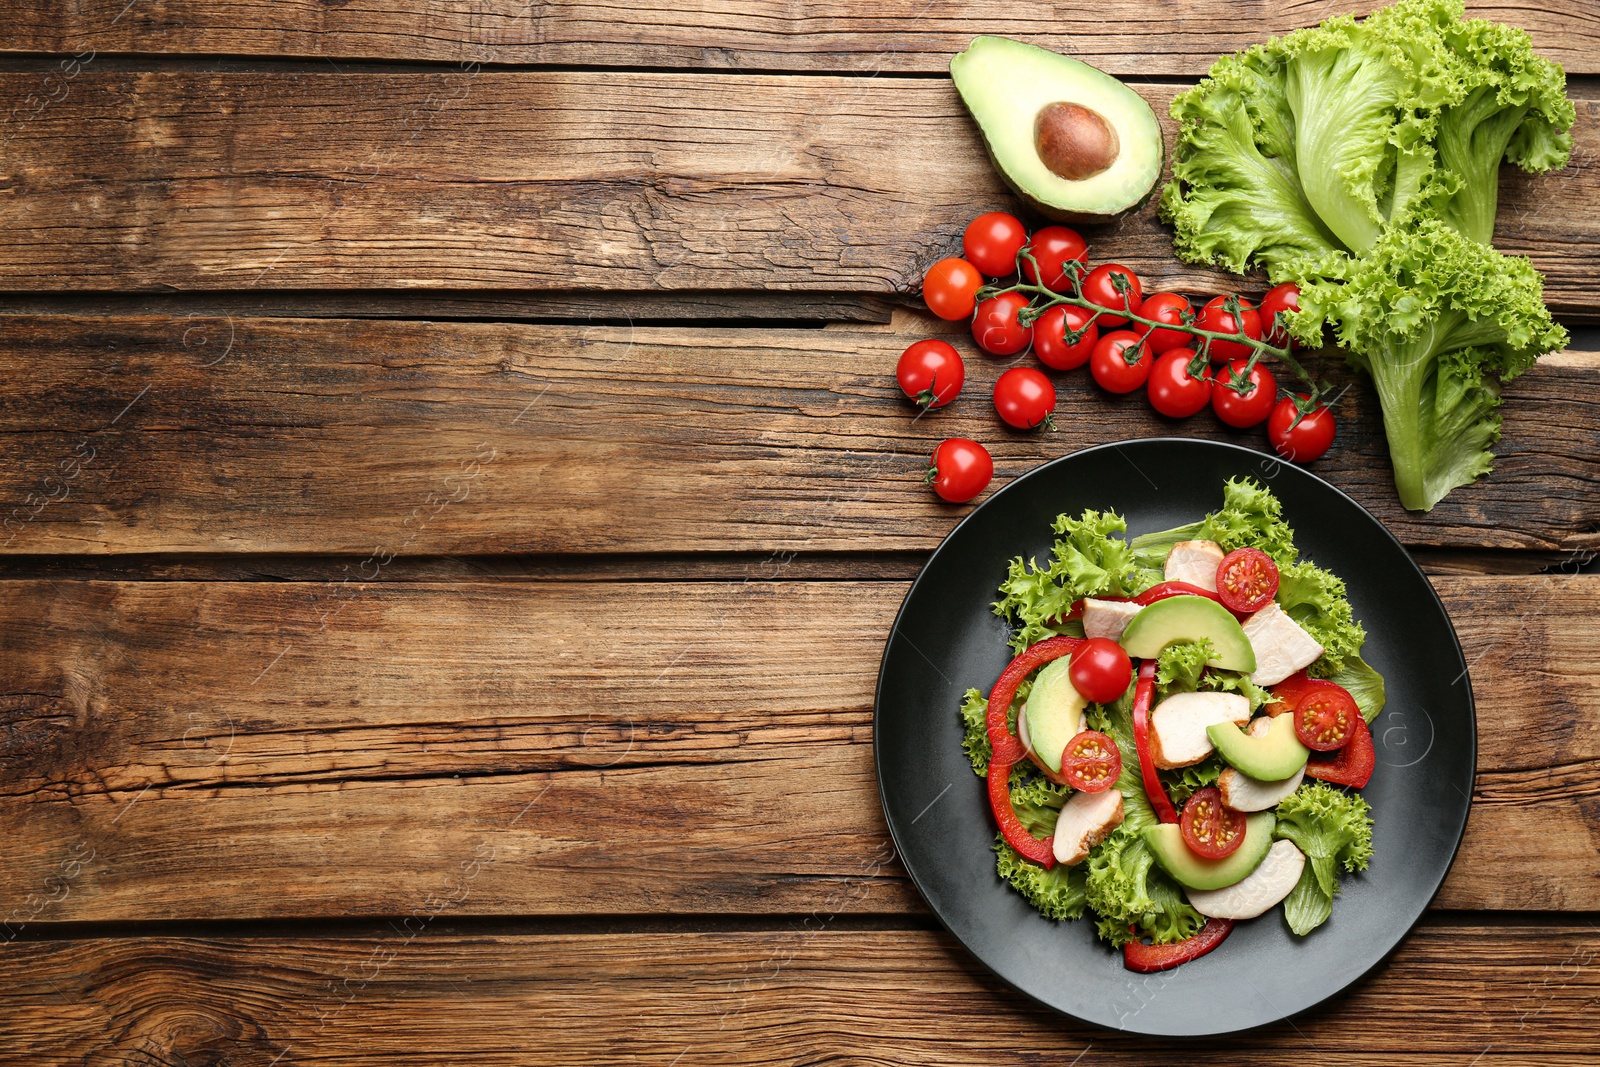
995,327
1091,762
1247,580
1051,247
1168,308
1100,670
1050,337
1303,441
1279,298
960,469
1109,363
950,288
1249,404
1101,291
931,373
992,242
1210,828
1024,397
1217,318
1174,391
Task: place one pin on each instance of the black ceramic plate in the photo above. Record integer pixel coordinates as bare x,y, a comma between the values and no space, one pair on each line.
946,639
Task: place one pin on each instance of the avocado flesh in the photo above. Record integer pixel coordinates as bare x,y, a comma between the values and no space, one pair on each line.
1270,758
1190,618
1197,872
1005,84
1054,710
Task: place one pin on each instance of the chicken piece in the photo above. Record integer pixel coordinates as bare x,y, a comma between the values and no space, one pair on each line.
1194,562
1107,618
1244,793
1178,725
1086,819
1281,646
1262,888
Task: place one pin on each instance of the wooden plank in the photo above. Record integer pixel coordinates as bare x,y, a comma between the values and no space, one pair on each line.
1131,38
610,180
241,750
180,434
1454,993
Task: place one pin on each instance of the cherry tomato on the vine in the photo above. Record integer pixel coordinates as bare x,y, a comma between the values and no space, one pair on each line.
1217,318
931,373
1325,718
995,327
1210,828
1100,670
1173,390
1091,762
1050,337
992,242
1249,407
1167,308
1303,441
960,469
1024,397
950,288
1109,363
1051,247
1101,291
1285,297
1247,580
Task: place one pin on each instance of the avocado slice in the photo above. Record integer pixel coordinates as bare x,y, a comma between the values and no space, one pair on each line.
1074,142
1272,757
1197,872
1054,710
1190,618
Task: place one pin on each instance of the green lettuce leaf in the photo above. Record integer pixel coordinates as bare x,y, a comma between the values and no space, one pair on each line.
1058,893
1250,517
1307,907
1315,598
1363,683
1334,829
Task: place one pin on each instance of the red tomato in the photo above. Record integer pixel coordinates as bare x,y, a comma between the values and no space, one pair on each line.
995,326
1218,319
1210,828
1024,397
1303,441
1091,762
950,288
1109,363
1050,337
1325,718
992,242
1167,308
1051,247
931,373
1173,390
1100,670
1352,765
960,469
1247,580
1101,291
1247,408
1279,298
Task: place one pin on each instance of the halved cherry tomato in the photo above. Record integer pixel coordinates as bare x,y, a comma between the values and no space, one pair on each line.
1109,362
995,327
1210,828
1279,299
931,373
1247,408
1101,670
950,288
1167,308
1247,580
1051,248
1100,290
1091,762
1325,718
1050,337
1287,693
1352,765
1148,959
1216,317
992,242
1174,391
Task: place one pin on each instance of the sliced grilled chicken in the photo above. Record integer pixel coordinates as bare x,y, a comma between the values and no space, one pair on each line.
1178,725
1281,646
1022,735
1194,562
1107,618
1260,889
1085,821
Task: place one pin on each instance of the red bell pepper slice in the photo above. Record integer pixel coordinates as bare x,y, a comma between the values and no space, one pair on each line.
1147,959
1042,852
1351,765
1287,693
1143,693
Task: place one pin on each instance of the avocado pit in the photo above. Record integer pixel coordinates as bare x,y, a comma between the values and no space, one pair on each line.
1073,141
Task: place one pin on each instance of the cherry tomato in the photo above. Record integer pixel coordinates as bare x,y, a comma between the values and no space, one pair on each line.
995,326
1287,693
992,242
1101,291
1247,580
1325,718
1252,406
1218,319
1024,397
1173,390
1091,762
1100,670
931,373
1109,363
950,288
1303,441
1050,337
1168,308
1285,297
960,469
1051,247
1210,828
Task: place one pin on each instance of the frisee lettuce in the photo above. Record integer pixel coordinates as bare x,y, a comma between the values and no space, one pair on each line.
1334,829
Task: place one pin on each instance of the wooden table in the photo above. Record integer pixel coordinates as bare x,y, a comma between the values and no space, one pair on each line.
457,496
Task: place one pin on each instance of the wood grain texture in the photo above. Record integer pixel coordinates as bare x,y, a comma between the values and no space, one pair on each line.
244,750
630,181
1454,993
196,434
1129,38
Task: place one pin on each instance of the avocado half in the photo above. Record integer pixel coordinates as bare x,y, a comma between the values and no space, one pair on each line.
1073,142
